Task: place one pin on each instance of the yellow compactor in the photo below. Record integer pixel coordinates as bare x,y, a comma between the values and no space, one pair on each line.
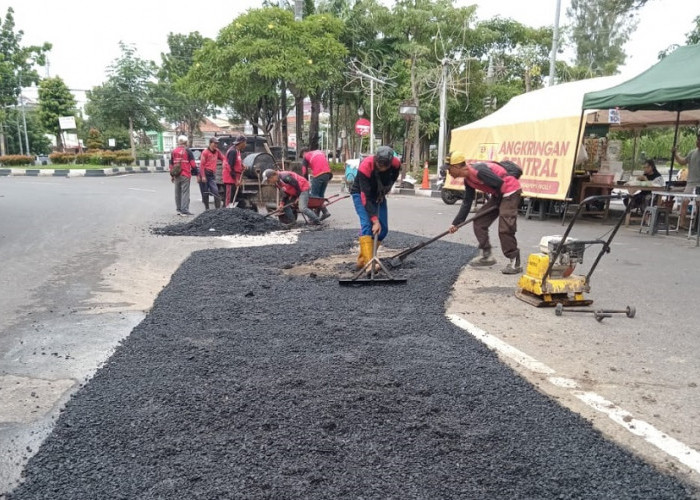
549,278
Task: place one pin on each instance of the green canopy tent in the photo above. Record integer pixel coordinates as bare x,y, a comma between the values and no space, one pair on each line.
672,84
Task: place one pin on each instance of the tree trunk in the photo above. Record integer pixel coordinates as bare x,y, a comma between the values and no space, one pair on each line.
299,126
284,124
416,121
131,138
313,124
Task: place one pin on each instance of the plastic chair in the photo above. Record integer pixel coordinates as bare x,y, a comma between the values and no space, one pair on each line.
654,213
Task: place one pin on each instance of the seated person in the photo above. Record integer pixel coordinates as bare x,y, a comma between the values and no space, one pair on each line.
651,174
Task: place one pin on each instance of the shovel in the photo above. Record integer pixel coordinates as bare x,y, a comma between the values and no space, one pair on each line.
280,210
397,260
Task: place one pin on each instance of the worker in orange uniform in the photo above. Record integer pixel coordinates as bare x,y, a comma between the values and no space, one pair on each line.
500,180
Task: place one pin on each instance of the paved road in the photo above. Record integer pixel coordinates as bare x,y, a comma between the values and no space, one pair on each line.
80,269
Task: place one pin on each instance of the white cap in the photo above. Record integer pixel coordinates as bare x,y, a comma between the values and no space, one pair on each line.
268,173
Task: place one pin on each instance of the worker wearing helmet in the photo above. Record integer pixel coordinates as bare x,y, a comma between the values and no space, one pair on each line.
233,167
375,177
504,187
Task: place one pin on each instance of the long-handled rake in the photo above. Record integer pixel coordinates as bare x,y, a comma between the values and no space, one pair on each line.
396,260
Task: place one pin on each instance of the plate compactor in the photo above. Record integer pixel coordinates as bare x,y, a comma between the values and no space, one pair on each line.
549,277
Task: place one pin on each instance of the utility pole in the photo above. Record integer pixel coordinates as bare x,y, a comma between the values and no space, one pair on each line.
443,115
555,42
24,121
371,79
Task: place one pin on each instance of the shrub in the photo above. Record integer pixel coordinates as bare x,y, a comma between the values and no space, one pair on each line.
83,159
108,158
62,158
16,160
124,158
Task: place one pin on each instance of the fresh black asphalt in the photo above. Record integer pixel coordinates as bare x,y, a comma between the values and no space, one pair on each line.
246,381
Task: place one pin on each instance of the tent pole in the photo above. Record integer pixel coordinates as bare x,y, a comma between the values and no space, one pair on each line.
579,143
675,141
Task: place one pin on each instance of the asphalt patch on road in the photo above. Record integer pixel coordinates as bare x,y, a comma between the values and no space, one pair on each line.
225,221
247,380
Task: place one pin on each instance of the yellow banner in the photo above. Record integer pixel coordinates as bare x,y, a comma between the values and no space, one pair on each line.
544,149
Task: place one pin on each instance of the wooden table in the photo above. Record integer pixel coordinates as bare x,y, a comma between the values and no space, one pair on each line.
600,189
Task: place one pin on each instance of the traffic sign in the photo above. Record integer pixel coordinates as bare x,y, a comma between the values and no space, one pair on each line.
362,126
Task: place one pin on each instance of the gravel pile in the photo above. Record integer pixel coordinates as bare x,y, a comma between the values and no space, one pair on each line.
227,221
290,386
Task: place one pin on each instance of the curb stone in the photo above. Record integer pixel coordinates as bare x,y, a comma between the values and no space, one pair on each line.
106,172
77,172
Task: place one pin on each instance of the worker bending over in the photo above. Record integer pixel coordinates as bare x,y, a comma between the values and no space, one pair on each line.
500,180
293,187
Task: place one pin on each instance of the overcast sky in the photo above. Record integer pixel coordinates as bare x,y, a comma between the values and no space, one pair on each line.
86,35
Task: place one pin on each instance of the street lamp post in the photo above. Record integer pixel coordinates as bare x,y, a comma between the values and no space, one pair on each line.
408,110
24,116
371,79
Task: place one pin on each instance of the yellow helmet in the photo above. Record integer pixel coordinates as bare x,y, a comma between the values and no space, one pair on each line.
457,157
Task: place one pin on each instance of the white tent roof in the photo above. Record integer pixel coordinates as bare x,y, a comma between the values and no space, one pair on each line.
559,101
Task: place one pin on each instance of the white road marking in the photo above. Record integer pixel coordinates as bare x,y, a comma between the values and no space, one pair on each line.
501,347
275,238
683,453
144,190
676,449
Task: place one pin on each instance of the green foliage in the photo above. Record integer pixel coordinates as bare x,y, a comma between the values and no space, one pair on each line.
106,158
17,61
178,101
125,100
693,36
16,160
83,158
600,28
655,144
55,100
94,139
123,158
60,158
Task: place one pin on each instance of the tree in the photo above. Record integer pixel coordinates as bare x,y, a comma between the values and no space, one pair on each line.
126,98
263,52
693,36
599,30
16,67
55,100
179,102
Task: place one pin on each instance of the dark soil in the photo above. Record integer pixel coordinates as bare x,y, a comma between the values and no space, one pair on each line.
226,221
291,386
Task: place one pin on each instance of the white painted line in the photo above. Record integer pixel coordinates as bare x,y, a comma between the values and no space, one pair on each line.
563,382
681,452
278,238
501,347
144,190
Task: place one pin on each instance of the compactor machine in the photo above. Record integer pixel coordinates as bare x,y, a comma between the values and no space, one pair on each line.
549,277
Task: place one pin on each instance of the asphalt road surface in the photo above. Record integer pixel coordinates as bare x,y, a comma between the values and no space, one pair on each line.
81,270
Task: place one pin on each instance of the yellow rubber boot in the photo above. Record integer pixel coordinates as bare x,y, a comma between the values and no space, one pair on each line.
365,251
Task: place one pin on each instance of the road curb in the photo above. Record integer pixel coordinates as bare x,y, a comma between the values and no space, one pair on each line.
78,172
111,171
